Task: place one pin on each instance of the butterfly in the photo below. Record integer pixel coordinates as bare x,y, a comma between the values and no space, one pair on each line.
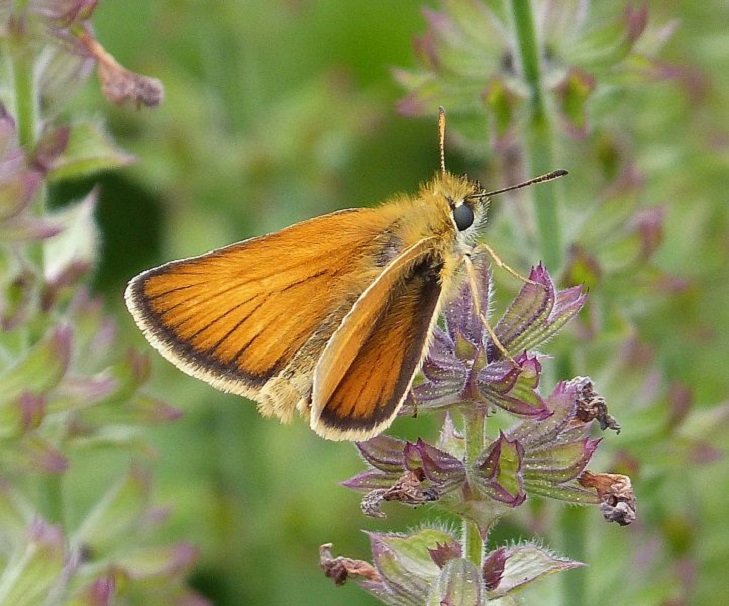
331,317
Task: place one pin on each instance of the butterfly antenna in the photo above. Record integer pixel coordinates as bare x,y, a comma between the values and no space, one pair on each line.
441,138
555,174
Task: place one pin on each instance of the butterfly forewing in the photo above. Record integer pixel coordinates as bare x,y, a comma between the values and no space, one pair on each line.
368,366
236,317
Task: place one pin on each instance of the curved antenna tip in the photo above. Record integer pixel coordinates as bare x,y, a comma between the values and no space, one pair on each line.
555,174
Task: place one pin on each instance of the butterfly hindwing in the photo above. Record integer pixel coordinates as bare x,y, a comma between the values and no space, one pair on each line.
368,366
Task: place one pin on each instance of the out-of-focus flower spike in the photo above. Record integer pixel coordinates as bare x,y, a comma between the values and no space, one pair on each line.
41,368
99,593
80,392
636,20
28,229
22,415
95,332
582,268
138,409
504,104
18,187
35,566
49,148
34,454
16,512
65,12
648,224
19,300
572,96
171,561
140,366
116,516
8,136
608,44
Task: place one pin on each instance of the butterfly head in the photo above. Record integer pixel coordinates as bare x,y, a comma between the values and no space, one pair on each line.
460,204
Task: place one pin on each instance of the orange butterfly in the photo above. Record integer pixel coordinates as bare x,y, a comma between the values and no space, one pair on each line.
331,316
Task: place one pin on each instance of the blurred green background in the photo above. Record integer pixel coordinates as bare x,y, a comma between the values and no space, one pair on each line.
279,111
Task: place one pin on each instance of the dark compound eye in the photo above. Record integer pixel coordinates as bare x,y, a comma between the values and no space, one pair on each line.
463,216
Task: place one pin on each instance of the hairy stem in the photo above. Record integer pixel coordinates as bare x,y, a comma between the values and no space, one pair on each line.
474,426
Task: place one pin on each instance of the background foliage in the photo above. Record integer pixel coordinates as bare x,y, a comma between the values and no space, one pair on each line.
278,111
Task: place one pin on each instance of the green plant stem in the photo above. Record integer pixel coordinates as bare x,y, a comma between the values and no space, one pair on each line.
573,528
27,103
26,106
22,61
539,151
474,426
539,145
27,119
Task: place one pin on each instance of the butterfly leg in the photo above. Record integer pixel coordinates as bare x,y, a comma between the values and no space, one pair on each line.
473,281
501,263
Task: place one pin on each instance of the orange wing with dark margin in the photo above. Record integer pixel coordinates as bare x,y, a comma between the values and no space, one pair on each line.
236,316
369,364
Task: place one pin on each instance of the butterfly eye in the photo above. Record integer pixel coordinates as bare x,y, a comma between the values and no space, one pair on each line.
463,217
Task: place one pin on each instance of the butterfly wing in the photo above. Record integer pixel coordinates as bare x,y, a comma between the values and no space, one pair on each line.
368,365
252,318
